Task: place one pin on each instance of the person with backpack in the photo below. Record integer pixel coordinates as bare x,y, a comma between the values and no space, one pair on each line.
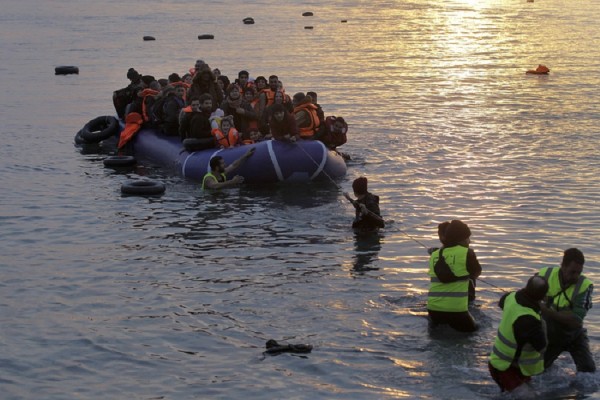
450,270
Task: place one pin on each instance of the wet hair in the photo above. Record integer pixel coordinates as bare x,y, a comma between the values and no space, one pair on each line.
573,254
536,288
360,185
215,161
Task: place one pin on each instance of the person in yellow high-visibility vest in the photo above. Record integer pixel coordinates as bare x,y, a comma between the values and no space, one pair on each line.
518,349
569,299
448,297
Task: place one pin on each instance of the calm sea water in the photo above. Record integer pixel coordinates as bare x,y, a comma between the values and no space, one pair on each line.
110,297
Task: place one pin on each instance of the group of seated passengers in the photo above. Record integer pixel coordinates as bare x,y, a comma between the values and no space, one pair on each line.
204,104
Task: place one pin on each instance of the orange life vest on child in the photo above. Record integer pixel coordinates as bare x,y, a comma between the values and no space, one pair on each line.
230,140
313,127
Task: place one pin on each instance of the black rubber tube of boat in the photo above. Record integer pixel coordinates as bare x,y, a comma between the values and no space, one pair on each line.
143,187
100,128
193,144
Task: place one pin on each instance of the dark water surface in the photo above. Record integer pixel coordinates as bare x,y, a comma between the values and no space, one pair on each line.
111,297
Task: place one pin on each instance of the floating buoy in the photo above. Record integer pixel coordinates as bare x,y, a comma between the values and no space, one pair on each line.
143,187
206,36
147,38
307,14
344,21
308,27
248,20
119,161
99,129
540,70
66,70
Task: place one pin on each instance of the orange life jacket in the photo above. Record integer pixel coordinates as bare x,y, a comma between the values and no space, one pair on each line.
313,127
232,138
270,95
145,94
133,123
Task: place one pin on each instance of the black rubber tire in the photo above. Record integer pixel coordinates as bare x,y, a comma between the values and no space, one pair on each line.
192,145
148,38
207,36
143,187
100,128
119,161
66,70
78,139
248,20
307,14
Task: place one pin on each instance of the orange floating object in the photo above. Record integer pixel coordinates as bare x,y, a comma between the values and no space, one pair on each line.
540,70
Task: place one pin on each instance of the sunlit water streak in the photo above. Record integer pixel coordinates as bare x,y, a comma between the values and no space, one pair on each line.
105,296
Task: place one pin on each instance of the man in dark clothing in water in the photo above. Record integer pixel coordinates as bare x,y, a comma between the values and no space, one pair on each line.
368,216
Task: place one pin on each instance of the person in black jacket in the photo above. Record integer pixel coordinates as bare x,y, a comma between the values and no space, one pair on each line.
368,215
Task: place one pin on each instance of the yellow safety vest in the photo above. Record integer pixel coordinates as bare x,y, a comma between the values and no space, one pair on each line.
210,175
562,299
530,361
450,297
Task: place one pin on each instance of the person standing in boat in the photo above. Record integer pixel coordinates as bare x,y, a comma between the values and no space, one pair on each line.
368,214
451,268
204,82
519,346
569,299
217,177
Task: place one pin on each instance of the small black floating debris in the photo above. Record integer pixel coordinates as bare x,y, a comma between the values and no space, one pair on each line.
206,36
66,70
530,1
275,348
308,27
148,38
307,14
344,21
248,20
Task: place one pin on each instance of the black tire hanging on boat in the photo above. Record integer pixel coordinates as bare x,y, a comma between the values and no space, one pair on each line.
143,187
193,144
119,161
66,70
100,128
78,139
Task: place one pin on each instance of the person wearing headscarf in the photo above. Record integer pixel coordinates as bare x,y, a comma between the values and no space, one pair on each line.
452,270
